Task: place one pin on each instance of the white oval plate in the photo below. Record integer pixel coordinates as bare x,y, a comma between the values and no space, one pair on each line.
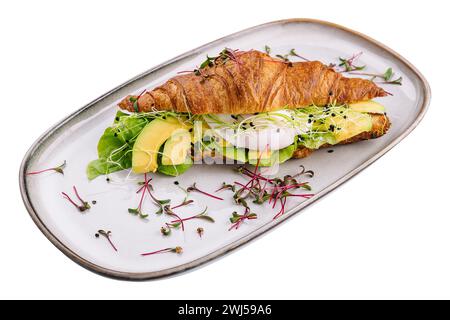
75,140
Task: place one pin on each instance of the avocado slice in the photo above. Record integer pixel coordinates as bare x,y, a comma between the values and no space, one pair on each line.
146,147
276,156
176,148
176,170
367,107
286,153
238,154
264,157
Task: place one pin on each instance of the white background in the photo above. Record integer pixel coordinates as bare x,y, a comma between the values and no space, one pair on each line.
384,234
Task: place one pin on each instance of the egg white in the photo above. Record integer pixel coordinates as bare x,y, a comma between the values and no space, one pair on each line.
272,130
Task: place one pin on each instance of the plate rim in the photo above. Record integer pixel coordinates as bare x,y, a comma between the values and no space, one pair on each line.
142,276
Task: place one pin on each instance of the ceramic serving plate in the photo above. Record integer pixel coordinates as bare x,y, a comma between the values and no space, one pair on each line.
75,139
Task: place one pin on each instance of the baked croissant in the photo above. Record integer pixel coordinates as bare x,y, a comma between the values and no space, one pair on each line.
243,82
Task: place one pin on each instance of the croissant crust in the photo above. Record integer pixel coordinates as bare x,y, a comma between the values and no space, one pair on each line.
253,82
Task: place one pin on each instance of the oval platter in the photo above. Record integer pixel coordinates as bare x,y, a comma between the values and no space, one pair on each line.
75,138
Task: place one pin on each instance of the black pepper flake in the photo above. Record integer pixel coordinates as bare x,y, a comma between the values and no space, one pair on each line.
176,183
234,117
97,235
115,134
311,116
251,124
330,151
278,130
117,118
332,127
191,129
94,202
333,114
309,120
108,179
345,117
330,93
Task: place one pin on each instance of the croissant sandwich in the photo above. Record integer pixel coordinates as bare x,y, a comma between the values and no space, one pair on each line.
240,106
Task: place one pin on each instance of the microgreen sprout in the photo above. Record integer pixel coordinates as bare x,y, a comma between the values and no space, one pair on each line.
167,230
262,189
107,235
237,219
202,215
387,77
226,186
194,188
147,188
348,65
177,250
58,169
81,207
167,210
184,203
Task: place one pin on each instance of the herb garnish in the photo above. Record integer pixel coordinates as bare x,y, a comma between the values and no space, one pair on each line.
226,186
387,76
225,55
146,187
58,169
348,65
177,250
294,53
237,219
84,204
167,210
194,188
202,215
167,230
107,235
184,203
262,189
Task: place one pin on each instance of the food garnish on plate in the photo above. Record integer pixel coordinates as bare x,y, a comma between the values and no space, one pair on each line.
240,106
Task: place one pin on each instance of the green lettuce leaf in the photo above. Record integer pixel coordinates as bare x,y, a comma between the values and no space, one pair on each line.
115,145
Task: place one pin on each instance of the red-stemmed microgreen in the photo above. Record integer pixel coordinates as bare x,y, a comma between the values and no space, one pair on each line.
134,100
237,219
295,54
201,216
348,64
107,235
182,204
262,189
58,169
177,250
81,207
167,230
194,188
226,186
225,55
167,210
147,188
200,231
387,76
